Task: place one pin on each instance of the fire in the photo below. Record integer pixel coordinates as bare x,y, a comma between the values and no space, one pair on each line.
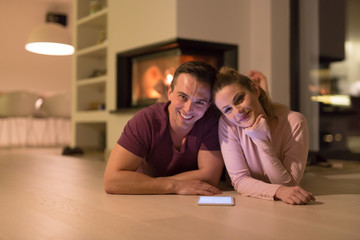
169,79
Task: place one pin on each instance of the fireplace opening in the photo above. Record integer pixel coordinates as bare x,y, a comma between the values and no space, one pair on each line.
144,74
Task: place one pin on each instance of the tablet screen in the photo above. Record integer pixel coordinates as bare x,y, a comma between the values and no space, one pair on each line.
215,200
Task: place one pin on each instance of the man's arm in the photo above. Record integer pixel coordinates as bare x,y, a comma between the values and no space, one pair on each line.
121,178
210,168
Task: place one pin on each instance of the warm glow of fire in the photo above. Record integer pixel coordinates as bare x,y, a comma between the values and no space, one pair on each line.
169,79
153,93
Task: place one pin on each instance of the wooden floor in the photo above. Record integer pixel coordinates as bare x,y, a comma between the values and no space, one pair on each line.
48,196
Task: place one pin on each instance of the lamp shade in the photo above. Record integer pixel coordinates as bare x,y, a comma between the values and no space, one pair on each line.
50,39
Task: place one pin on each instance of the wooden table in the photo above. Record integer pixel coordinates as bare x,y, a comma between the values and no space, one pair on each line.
48,196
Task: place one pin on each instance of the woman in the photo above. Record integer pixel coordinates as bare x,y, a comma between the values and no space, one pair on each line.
264,145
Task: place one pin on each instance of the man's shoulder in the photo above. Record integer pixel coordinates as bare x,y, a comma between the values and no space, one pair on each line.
157,110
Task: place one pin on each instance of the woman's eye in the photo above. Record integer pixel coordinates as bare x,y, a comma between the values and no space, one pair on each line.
227,110
238,99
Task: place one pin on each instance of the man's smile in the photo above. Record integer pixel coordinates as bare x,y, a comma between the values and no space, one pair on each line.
185,116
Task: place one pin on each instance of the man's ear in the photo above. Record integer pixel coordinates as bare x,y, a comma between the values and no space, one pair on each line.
169,92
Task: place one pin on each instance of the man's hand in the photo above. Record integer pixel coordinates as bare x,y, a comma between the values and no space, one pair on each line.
121,177
294,195
195,187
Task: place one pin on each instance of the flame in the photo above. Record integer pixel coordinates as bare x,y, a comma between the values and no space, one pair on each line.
169,79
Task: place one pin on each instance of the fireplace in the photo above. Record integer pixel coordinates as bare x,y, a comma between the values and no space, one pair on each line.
144,74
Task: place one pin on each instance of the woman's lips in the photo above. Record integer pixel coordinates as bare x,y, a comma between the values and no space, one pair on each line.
243,117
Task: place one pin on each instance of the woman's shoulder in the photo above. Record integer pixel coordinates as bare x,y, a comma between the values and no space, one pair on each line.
225,125
283,113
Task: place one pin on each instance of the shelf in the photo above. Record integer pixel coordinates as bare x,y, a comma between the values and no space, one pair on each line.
91,135
98,51
91,116
91,60
91,30
90,81
97,19
83,11
91,97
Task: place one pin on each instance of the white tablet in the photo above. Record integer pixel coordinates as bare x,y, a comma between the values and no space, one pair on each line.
216,201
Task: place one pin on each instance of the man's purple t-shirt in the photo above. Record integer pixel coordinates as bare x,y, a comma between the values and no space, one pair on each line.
147,135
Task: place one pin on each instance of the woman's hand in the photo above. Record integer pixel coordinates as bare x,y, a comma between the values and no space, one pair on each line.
259,79
294,195
256,122
260,130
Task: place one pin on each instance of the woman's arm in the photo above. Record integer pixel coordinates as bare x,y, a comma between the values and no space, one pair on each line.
240,170
238,167
290,169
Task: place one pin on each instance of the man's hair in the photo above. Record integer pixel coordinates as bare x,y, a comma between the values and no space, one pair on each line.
228,76
202,71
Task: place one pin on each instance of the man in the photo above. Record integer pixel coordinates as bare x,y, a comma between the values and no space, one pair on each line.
171,147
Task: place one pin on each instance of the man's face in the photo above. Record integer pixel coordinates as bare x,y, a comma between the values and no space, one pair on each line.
189,101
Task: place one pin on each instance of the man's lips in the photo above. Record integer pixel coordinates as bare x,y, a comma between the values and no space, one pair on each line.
184,116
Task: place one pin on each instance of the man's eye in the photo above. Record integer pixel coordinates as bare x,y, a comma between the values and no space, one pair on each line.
182,97
201,103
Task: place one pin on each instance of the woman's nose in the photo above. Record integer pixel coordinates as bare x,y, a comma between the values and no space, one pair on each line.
238,111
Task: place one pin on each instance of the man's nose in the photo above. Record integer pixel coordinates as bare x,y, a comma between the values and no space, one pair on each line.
188,106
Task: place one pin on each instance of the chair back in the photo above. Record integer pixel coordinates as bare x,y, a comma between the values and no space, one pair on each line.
17,104
58,105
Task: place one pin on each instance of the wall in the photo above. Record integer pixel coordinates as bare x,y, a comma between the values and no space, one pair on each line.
248,23
20,69
133,24
279,59
259,27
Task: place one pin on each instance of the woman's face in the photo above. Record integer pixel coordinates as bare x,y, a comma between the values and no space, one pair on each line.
240,105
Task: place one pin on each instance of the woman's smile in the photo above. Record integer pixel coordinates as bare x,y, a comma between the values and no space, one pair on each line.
240,105
242,117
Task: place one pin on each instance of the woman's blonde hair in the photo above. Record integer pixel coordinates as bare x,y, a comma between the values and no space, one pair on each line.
227,76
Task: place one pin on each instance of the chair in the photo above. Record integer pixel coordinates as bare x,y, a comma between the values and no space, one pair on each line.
17,106
57,108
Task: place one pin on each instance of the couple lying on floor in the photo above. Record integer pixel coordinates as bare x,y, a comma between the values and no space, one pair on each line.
212,117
